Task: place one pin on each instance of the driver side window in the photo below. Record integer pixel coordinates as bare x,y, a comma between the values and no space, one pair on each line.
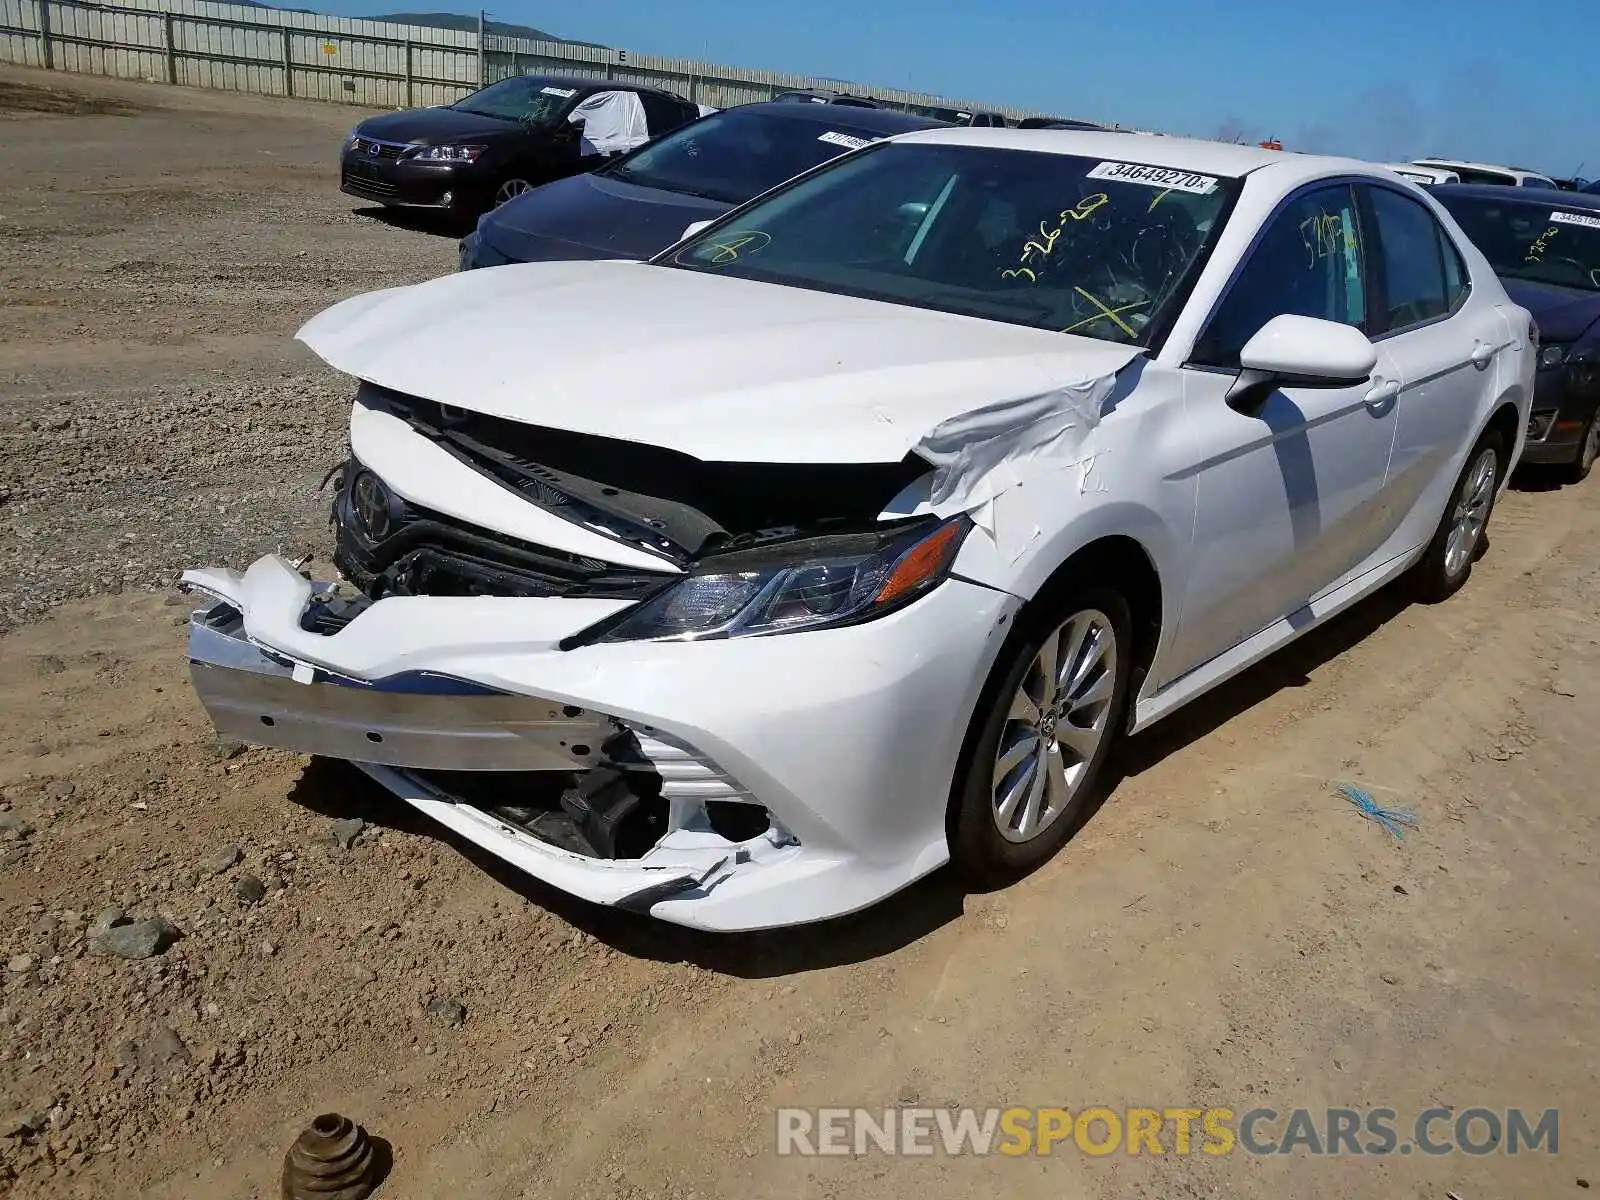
1309,262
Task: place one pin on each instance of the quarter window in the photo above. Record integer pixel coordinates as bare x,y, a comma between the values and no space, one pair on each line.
1308,262
1455,271
1415,288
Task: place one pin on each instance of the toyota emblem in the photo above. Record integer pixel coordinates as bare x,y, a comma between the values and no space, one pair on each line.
370,500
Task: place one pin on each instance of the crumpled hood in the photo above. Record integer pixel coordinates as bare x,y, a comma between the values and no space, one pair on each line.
1563,314
722,369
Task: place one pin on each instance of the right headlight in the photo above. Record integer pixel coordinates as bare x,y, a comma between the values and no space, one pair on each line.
810,584
1552,354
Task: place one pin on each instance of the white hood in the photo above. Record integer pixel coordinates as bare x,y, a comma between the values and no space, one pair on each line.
721,369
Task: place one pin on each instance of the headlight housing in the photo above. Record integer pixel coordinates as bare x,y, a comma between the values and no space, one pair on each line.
814,583
1583,369
447,153
1552,355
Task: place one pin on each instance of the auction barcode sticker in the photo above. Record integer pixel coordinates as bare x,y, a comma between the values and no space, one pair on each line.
1157,177
1588,220
844,139
564,93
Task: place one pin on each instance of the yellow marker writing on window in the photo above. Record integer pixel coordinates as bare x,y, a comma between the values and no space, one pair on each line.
1106,312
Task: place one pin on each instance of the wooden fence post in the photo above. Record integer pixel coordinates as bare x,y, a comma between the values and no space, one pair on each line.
410,76
288,64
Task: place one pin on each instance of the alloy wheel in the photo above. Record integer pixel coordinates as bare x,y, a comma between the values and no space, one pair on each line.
1057,719
1471,512
510,190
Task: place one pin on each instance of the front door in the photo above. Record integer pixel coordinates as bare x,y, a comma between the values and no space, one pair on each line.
1287,500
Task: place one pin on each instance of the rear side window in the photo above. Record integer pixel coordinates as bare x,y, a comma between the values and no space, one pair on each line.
1410,251
1309,262
1536,182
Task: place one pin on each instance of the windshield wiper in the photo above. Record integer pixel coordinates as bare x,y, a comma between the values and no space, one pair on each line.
981,301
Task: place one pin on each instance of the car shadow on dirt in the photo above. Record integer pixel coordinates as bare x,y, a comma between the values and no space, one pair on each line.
337,790
418,220
1290,667
1538,477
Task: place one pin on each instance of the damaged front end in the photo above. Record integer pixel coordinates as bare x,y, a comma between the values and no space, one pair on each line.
504,686
548,785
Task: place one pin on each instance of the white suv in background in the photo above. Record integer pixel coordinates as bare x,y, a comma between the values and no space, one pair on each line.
1471,172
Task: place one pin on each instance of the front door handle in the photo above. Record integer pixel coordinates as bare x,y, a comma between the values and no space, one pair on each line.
1383,391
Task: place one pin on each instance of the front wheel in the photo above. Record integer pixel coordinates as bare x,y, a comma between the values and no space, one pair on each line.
510,189
1040,735
1447,563
1588,451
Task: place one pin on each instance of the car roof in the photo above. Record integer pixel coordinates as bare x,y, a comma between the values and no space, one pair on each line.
588,84
1182,154
1541,197
1462,164
874,120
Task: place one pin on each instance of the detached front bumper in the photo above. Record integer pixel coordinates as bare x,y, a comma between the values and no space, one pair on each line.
848,737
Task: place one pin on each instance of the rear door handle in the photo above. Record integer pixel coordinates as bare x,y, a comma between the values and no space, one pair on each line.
1483,353
1380,395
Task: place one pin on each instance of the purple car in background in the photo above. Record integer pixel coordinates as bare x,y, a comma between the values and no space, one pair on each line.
641,203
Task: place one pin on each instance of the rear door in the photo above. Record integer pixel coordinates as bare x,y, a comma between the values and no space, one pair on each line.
1287,500
1443,345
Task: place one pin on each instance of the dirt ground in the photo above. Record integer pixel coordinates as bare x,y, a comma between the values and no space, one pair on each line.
1224,932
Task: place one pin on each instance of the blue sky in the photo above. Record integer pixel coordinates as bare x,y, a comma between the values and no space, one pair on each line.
1383,79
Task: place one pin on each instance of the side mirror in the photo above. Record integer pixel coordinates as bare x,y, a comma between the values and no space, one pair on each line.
693,228
1299,352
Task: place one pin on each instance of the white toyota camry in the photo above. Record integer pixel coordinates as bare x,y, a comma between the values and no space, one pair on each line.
747,585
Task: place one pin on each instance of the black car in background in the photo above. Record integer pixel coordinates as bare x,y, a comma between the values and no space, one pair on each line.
640,204
1545,246
1059,123
513,135
960,116
814,96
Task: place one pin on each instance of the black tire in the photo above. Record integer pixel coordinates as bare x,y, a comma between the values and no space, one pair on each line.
1588,450
978,851
1436,576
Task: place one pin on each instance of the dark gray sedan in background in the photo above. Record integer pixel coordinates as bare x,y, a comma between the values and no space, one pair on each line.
641,203
1545,247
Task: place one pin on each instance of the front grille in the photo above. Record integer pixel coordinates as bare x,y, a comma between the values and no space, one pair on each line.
388,151
426,553
377,189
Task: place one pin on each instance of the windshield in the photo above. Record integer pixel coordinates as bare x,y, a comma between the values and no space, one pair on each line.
737,154
1534,241
1076,245
520,98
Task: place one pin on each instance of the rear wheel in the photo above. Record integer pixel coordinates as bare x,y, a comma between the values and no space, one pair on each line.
1447,564
1588,452
1041,734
